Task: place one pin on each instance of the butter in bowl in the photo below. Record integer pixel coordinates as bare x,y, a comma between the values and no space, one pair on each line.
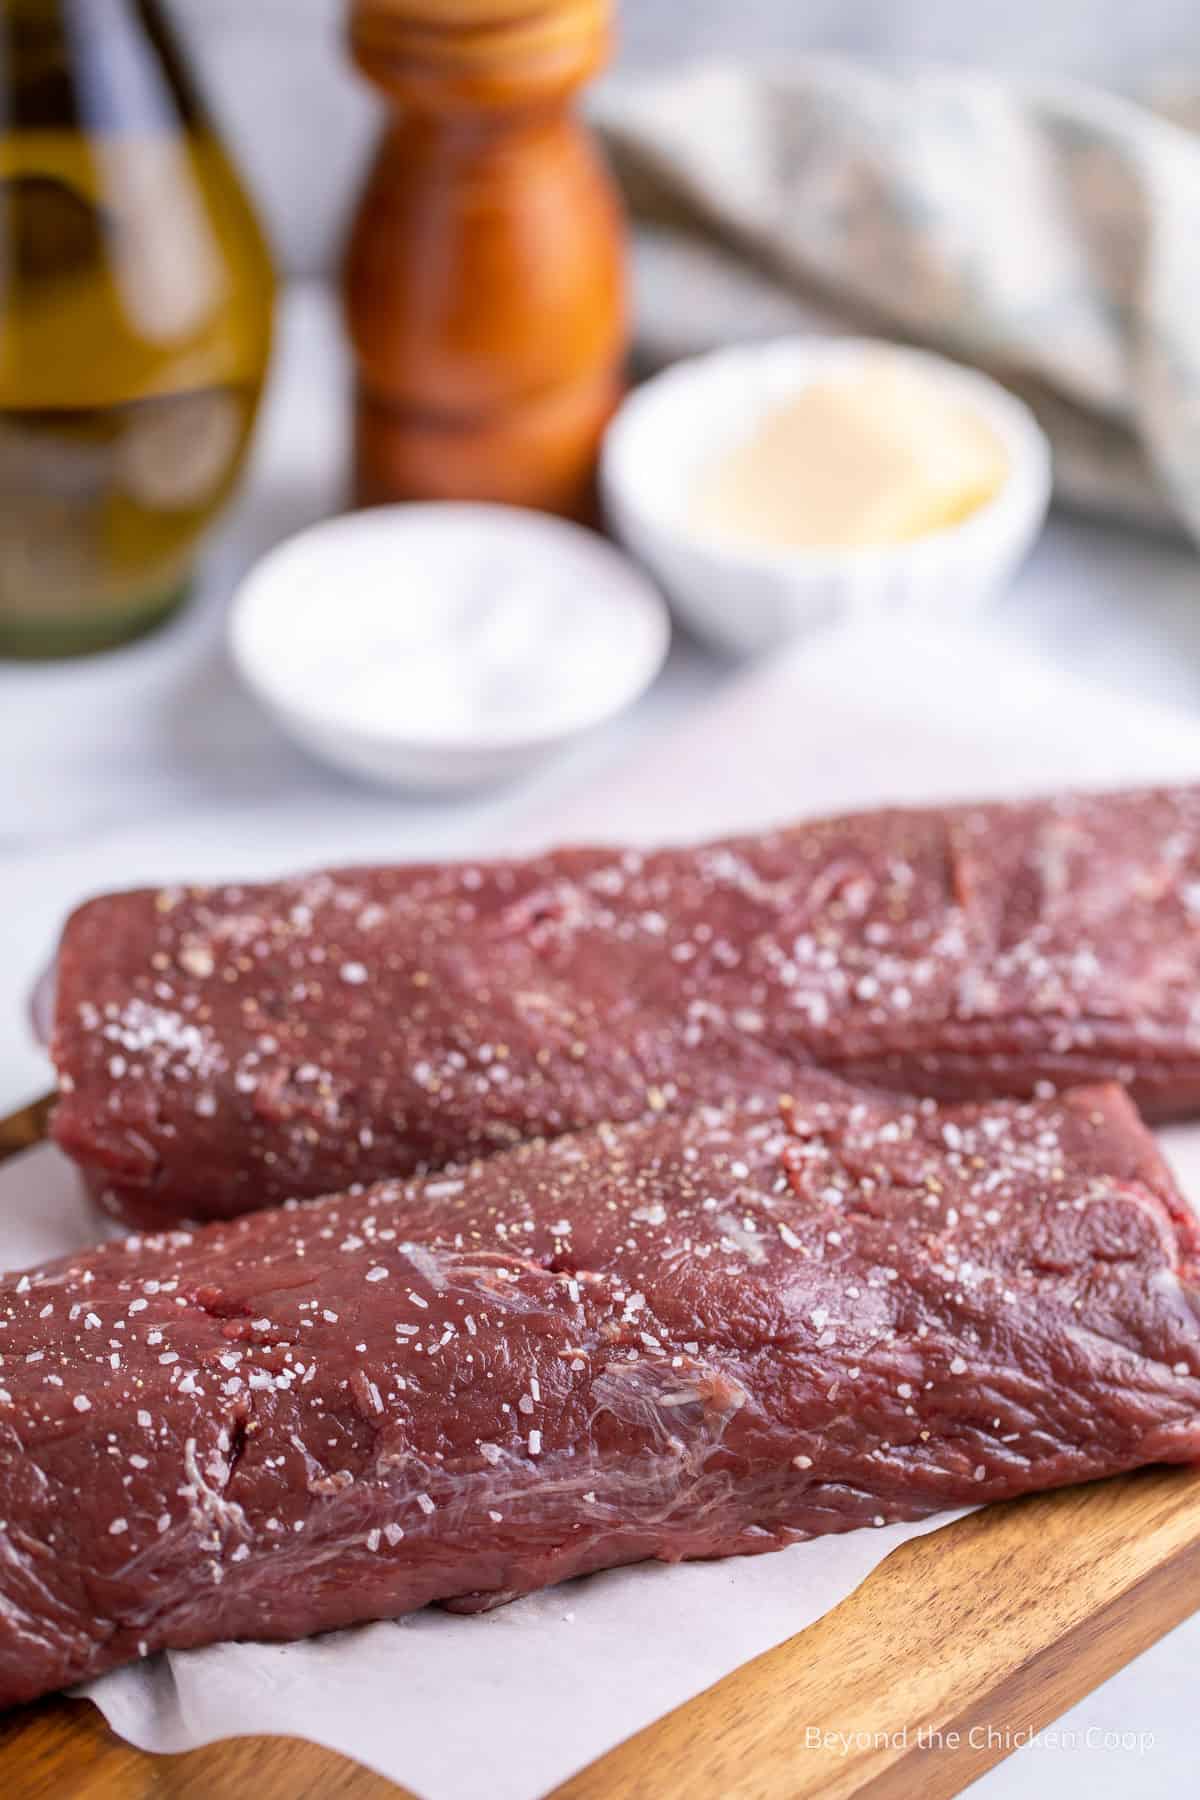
776,487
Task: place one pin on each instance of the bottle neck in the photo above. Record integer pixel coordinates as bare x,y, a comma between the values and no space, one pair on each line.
93,66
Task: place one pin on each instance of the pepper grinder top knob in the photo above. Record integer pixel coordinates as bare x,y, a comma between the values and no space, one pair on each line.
479,53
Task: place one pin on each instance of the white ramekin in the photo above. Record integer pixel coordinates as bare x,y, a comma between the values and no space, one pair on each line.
745,599
385,587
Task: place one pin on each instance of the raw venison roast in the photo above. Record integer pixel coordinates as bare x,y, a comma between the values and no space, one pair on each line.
225,1048
706,1334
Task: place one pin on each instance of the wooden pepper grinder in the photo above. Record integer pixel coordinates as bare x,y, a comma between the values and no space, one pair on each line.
485,275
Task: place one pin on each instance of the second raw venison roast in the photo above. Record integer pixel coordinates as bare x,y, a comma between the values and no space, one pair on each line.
225,1048
710,1334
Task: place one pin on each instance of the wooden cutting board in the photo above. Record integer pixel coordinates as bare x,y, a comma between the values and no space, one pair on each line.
956,1648
957,1645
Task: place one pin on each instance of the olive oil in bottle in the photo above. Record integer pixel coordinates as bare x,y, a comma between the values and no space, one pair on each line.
135,319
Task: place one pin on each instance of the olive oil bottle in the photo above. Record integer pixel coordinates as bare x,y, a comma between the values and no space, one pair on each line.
135,320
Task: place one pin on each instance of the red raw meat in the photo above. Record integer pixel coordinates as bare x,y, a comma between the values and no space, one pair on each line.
234,1046
710,1334
223,1048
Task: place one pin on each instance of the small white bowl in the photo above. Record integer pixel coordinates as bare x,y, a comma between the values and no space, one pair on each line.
445,645
744,598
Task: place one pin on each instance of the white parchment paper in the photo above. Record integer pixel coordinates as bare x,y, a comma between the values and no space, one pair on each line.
511,1703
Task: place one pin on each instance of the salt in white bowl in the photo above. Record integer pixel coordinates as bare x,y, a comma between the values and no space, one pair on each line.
443,645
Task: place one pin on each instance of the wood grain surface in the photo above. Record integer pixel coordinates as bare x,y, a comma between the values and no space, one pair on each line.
1001,1621
22,1130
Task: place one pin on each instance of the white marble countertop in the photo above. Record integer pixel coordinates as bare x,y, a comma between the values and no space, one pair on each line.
161,730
